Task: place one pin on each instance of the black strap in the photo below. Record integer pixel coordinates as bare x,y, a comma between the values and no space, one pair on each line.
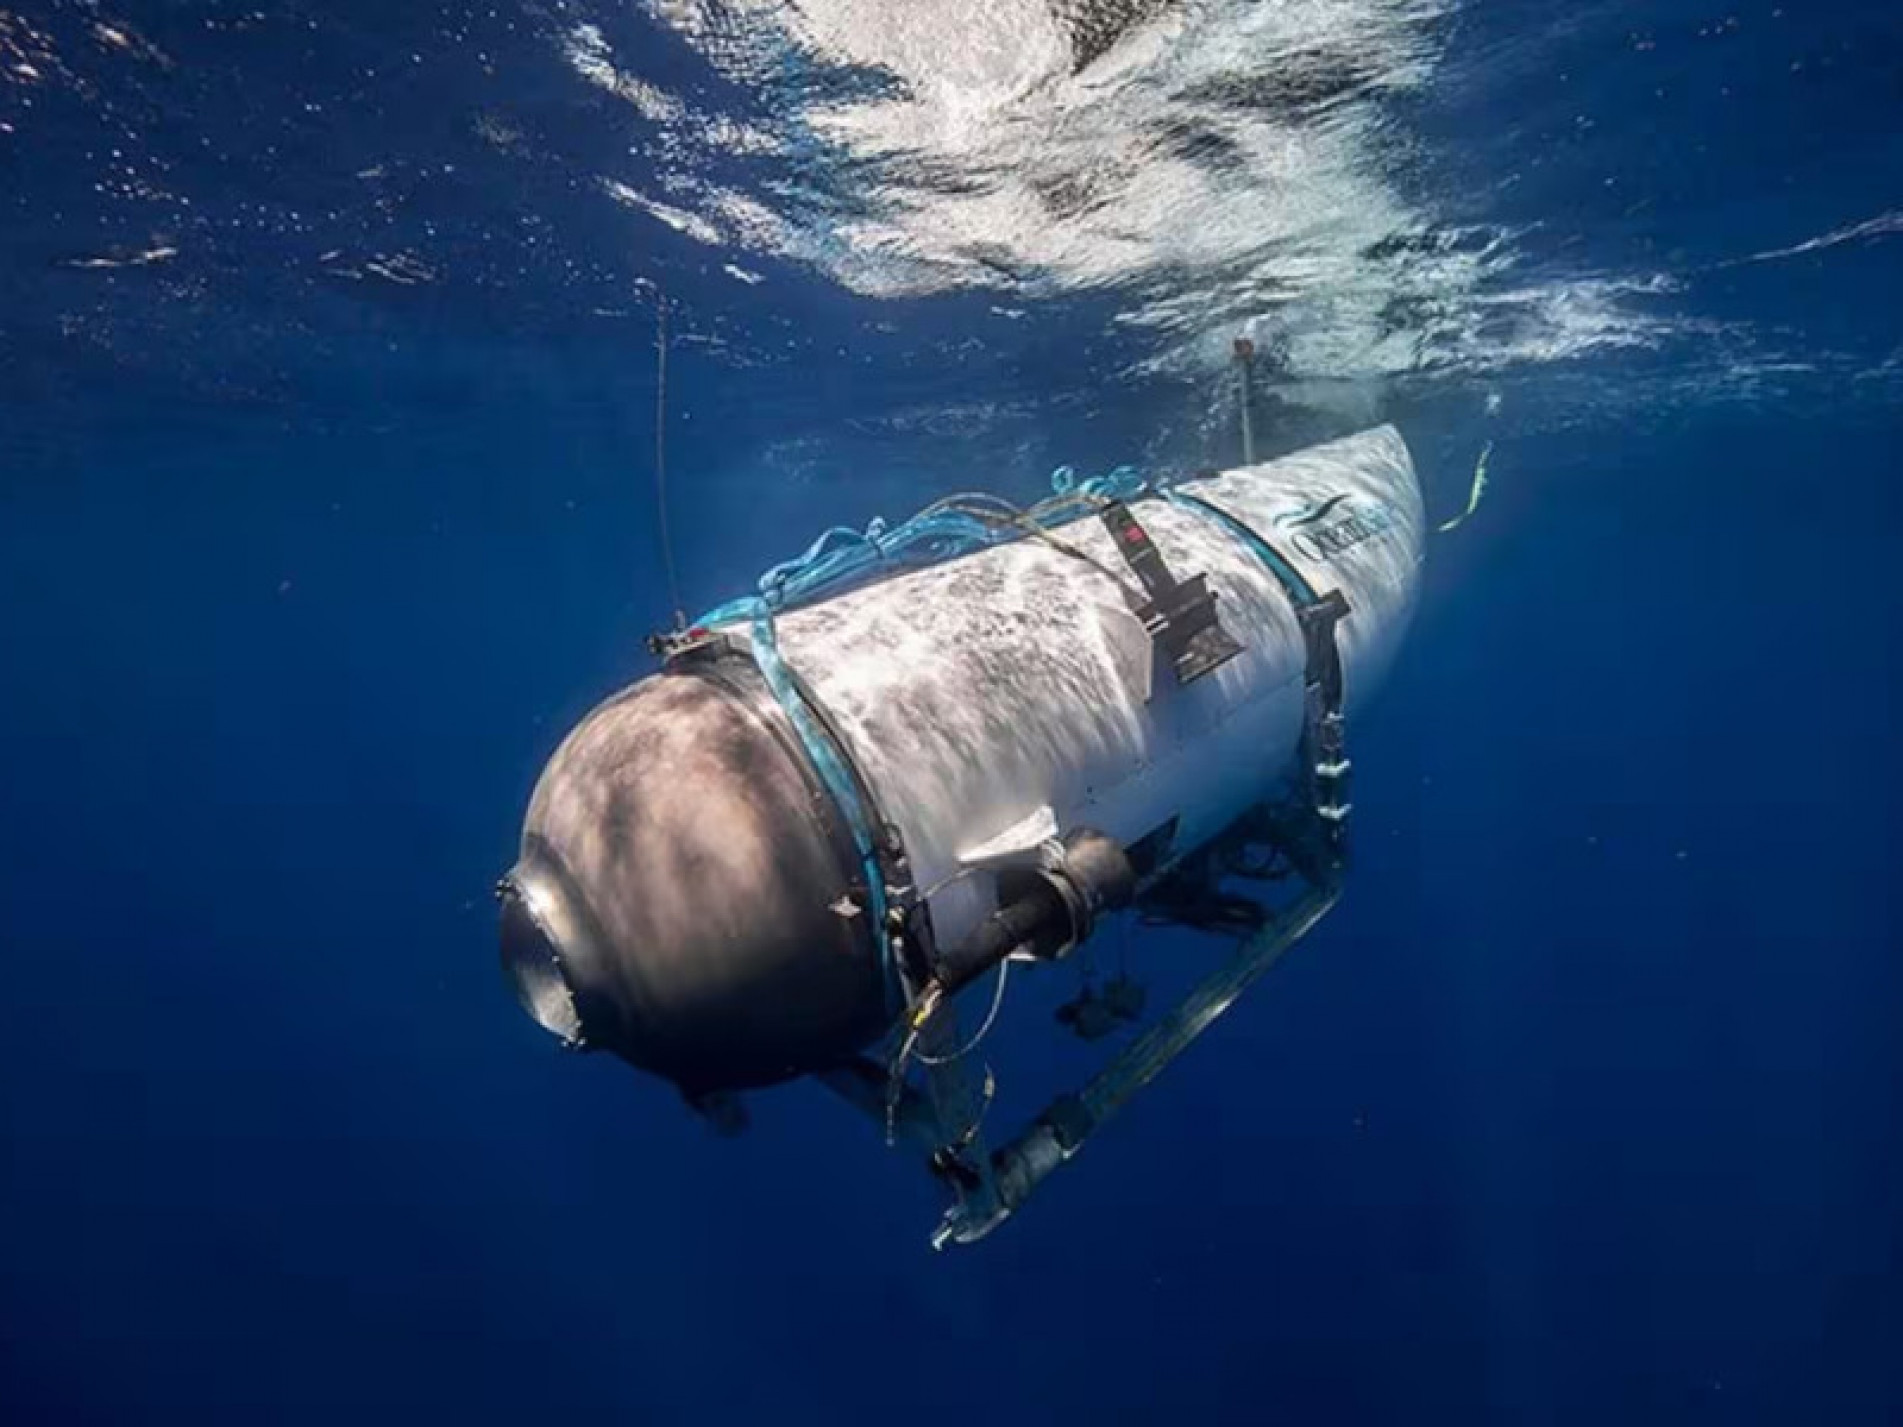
1324,757
909,932
1324,727
1179,614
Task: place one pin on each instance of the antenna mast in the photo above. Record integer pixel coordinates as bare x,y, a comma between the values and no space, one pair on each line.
660,453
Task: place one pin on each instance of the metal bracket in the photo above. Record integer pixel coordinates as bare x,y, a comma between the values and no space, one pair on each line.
1179,614
1324,757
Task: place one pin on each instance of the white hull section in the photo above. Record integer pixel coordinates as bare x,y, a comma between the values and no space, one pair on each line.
975,693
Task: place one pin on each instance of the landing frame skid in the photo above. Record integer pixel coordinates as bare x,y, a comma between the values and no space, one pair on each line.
941,1111
1009,1176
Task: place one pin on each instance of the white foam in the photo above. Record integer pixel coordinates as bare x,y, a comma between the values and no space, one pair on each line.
1213,166
1884,225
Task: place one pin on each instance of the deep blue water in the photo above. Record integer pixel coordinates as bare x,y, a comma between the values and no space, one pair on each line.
318,530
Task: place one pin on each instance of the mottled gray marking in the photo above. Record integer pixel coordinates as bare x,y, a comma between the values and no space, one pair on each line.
686,828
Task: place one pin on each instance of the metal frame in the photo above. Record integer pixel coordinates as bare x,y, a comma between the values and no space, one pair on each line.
943,1115
1007,1178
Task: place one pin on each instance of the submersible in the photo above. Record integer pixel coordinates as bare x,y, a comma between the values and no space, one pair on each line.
838,804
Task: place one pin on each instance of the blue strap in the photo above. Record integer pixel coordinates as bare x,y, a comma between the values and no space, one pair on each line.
829,762
843,557
1299,591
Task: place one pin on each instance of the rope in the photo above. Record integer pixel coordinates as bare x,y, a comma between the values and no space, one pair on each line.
977,1039
1474,495
660,453
954,525
908,1051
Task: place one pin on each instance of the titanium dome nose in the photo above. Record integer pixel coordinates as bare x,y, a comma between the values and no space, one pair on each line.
677,900
532,950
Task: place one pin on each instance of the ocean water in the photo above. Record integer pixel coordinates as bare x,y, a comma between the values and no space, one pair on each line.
327,503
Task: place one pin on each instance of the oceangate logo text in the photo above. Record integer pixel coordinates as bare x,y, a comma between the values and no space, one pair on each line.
1327,528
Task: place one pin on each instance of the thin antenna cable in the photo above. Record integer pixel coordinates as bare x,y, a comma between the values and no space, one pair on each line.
660,453
1245,365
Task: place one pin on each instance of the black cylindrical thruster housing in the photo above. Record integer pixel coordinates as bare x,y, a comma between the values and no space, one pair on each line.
1037,920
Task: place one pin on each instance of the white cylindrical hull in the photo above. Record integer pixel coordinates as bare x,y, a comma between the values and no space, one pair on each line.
975,693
